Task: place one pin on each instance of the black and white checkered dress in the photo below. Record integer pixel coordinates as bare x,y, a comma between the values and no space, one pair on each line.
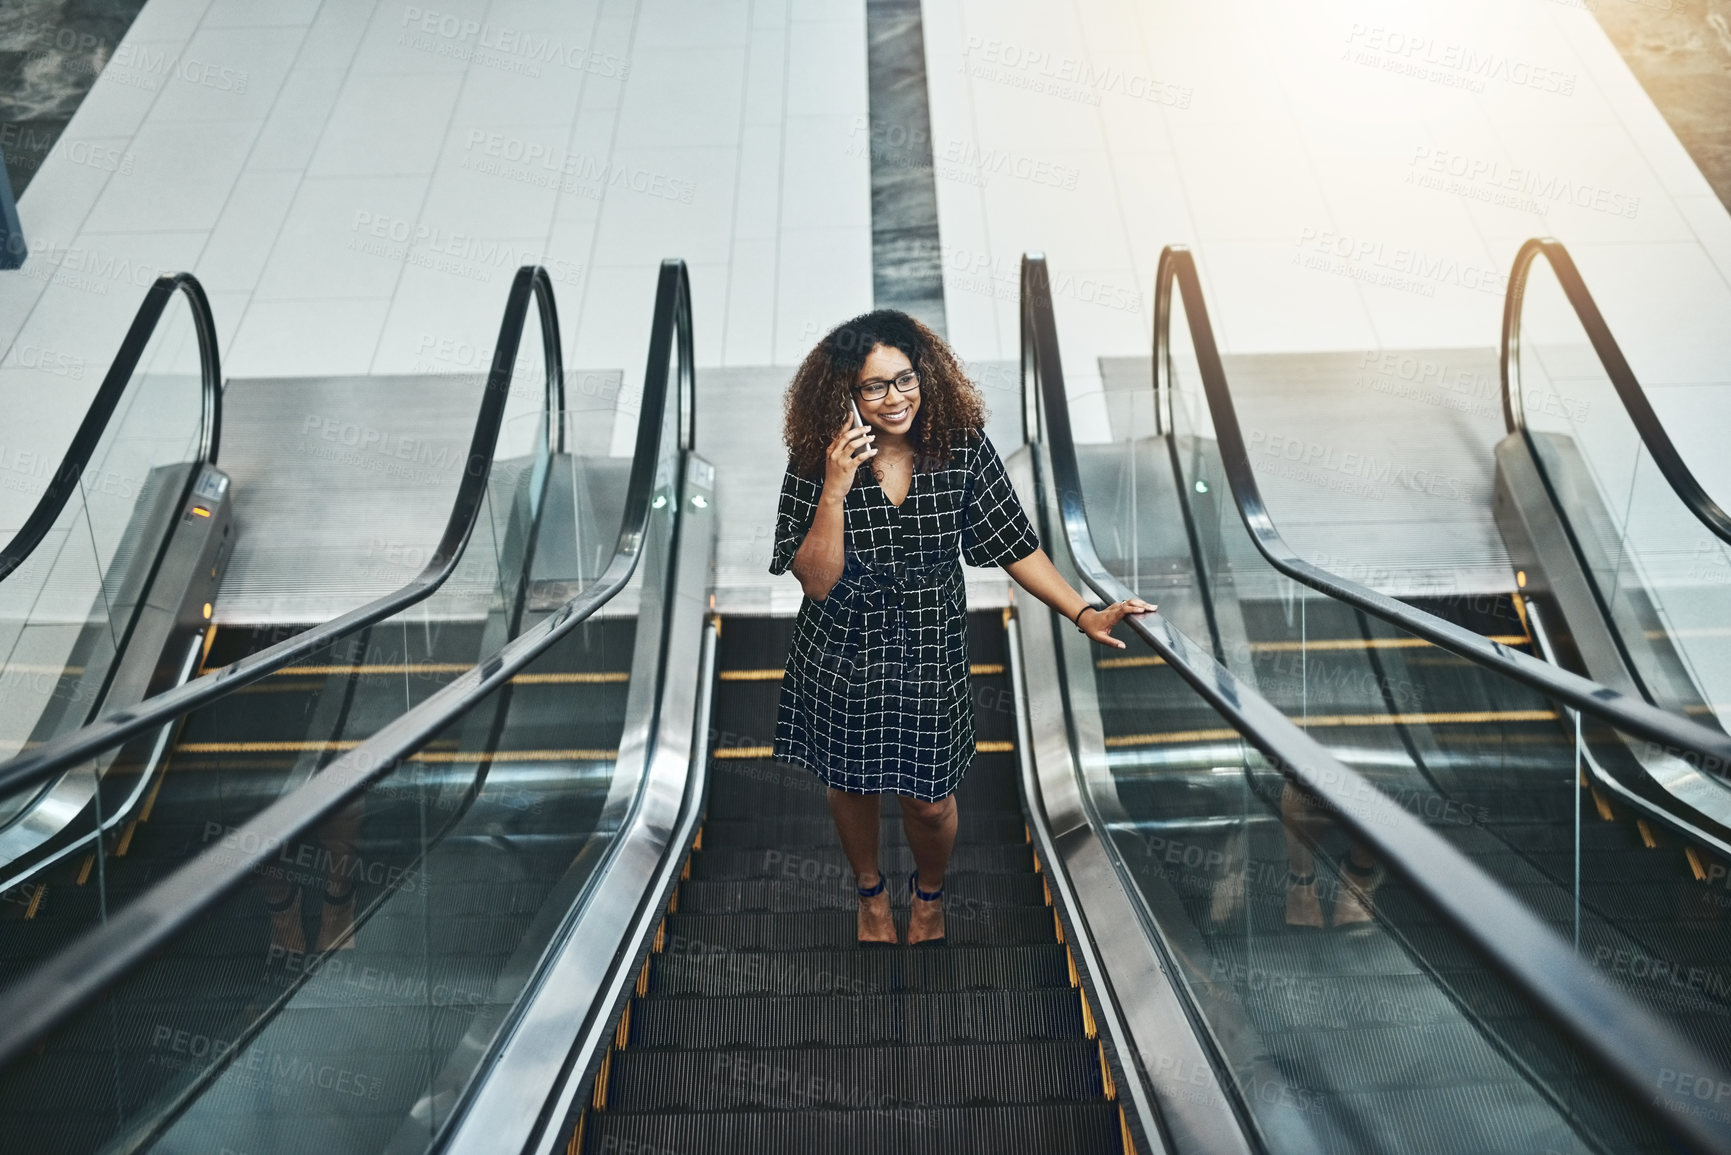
875,698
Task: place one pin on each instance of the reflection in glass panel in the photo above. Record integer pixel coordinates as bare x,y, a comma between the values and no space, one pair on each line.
1662,577
341,996
1351,1016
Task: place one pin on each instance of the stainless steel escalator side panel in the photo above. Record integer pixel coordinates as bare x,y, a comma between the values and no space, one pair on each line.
1175,1096
161,651
1580,635
525,1097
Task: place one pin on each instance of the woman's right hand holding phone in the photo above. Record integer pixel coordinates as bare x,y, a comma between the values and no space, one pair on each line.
851,447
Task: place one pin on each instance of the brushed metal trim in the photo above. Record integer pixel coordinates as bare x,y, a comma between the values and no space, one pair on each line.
521,1099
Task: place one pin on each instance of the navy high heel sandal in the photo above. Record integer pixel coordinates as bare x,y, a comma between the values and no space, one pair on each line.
873,892
925,896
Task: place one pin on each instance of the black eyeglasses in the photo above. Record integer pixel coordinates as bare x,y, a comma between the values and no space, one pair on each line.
878,390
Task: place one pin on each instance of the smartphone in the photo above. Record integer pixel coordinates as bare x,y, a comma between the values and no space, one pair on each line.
858,421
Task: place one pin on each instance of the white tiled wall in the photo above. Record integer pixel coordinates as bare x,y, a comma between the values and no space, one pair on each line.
322,165
1273,139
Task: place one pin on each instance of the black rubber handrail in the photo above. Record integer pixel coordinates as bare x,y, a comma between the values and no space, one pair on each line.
1647,424
103,955
108,731
65,480
1632,1046
1677,735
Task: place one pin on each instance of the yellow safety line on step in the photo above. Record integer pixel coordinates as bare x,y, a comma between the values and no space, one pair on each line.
1521,612
576,677
35,900
1170,736
564,678
1603,807
1142,660
978,669
150,802
84,870
993,746
1646,834
1130,663
576,754
1463,717
623,1031
389,668
1695,865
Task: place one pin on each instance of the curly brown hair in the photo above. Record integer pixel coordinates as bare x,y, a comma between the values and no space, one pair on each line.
815,405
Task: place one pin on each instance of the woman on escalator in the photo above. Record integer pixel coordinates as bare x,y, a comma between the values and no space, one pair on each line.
875,699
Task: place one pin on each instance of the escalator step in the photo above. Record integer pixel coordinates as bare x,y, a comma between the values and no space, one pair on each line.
754,788
965,893
829,861
851,1078
690,967
890,1130
838,929
973,825
913,1017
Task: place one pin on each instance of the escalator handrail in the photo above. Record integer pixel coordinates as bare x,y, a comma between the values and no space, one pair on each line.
531,283
1634,398
1675,734
1627,1041
100,957
65,481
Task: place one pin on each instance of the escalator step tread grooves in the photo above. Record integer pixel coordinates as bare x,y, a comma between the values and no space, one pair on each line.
1051,1070
695,968
891,1130
896,861
836,929
916,1017
962,888
973,826
764,1026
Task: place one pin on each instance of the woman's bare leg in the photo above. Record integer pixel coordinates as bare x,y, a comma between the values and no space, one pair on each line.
931,831
856,822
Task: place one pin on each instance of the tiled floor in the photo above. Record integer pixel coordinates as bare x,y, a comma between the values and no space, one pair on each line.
1307,152
355,181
